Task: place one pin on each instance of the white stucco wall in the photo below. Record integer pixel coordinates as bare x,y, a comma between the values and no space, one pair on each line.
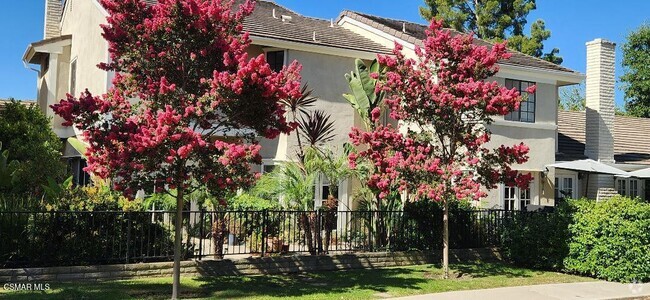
82,18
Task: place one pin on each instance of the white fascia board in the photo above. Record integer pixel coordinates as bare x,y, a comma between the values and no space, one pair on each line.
539,75
283,44
376,31
100,8
542,126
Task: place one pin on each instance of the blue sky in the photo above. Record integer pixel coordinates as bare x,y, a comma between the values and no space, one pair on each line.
572,23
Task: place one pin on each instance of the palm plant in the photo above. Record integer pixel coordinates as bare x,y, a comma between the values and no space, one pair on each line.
316,128
298,107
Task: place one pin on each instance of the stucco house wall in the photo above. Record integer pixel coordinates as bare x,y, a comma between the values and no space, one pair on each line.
81,19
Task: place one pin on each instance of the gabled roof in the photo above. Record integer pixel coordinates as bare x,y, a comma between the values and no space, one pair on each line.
37,50
302,29
630,144
415,33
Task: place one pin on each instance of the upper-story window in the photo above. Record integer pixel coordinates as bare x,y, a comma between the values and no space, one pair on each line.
275,60
73,77
526,111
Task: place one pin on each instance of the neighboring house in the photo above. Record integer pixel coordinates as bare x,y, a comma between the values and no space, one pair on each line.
599,134
4,102
73,46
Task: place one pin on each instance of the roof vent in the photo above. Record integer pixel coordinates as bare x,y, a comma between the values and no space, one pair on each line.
404,27
274,16
314,36
286,19
331,22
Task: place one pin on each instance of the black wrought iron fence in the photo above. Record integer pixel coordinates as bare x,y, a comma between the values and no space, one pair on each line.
67,237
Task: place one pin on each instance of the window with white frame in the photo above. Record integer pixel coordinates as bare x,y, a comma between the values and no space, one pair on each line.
73,77
565,187
515,198
627,187
526,111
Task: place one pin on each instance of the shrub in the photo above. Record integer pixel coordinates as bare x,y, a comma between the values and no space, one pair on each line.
611,240
539,239
249,202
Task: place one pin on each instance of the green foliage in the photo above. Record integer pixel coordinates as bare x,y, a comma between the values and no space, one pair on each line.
53,191
247,201
7,171
611,240
572,98
364,98
495,20
99,197
26,134
636,79
608,240
538,239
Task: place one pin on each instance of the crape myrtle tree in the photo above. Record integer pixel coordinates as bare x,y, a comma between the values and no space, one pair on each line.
443,103
187,102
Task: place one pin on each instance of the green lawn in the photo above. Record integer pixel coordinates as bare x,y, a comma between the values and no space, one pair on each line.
358,284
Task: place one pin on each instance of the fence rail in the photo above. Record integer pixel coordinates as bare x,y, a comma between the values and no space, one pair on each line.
67,237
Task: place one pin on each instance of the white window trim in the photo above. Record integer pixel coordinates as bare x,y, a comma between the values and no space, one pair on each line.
628,186
70,87
534,195
574,188
268,162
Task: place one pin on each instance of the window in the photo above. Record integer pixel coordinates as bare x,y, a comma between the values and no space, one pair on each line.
526,111
515,198
621,186
564,188
634,188
524,198
73,77
509,197
76,167
627,187
275,59
267,168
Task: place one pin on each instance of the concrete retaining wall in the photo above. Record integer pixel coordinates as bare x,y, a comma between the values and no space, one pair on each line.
246,266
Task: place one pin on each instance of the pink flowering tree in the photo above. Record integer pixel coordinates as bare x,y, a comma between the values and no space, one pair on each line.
187,102
443,103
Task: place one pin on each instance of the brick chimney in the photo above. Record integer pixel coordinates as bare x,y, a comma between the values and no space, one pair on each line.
600,100
599,143
53,12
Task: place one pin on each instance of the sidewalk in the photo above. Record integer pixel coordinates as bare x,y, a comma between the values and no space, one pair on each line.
581,290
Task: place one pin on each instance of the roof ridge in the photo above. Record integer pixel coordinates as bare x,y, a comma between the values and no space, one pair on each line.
293,12
365,15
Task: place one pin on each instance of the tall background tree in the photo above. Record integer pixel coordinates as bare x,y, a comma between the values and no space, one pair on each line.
572,98
495,20
202,102
636,79
443,104
26,134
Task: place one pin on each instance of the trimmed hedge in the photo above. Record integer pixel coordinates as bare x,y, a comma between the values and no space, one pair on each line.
538,239
611,240
607,240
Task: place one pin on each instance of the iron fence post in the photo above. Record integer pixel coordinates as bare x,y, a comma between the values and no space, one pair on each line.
128,235
264,213
201,233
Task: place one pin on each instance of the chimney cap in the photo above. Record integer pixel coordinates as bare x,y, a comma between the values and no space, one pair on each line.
601,41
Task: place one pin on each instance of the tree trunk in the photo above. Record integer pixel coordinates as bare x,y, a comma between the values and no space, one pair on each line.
176,277
445,239
219,233
306,225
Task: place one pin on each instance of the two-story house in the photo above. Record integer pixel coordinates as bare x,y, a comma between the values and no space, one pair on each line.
72,47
